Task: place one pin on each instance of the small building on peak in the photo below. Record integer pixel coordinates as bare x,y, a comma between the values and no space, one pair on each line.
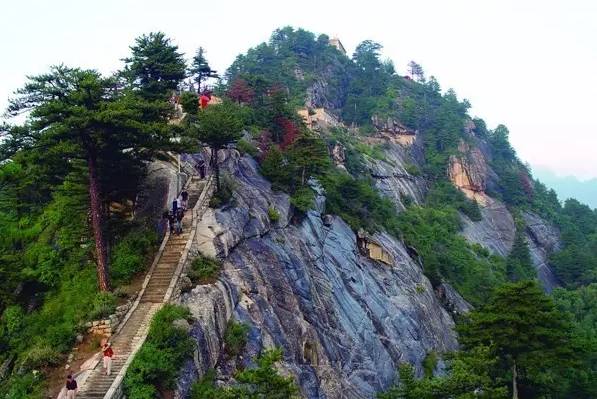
338,44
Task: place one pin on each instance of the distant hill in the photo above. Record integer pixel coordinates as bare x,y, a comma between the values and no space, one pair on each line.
569,186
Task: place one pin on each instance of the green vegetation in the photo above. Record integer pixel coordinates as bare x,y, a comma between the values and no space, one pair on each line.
156,364
245,147
204,270
273,215
235,338
517,345
447,255
224,195
260,382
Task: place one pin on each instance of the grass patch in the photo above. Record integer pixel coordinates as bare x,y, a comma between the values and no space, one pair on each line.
204,270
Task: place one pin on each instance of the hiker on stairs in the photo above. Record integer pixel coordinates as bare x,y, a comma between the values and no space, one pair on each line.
108,353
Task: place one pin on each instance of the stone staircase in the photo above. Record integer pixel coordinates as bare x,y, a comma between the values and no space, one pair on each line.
159,283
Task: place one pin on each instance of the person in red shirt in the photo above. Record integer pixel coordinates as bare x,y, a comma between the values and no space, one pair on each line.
108,353
203,101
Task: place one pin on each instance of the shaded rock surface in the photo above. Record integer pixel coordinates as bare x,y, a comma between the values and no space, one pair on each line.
543,239
344,321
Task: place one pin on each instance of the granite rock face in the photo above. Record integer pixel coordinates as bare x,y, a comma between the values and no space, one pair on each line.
543,239
344,321
393,179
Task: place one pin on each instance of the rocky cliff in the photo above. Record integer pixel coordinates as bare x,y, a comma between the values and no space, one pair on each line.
344,321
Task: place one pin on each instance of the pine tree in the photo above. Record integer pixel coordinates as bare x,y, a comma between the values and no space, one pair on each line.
155,67
416,71
218,125
200,69
79,115
521,326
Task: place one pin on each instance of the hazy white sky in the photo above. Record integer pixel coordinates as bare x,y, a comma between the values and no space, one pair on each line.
531,65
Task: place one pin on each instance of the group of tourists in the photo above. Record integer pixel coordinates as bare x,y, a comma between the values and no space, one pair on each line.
71,388
174,217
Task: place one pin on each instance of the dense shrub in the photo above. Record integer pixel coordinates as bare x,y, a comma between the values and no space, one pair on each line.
245,147
157,363
443,193
132,254
104,304
204,270
39,356
273,214
358,203
262,381
189,102
434,233
235,337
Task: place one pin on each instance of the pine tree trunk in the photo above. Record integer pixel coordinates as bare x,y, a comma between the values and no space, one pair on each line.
514,384
97,217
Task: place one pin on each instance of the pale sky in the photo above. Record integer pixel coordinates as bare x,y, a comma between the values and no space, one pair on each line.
531,64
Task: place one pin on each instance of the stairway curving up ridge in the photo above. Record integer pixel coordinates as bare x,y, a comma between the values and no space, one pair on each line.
157,290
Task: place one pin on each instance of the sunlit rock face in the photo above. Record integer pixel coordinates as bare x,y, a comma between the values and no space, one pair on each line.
345,321
468,172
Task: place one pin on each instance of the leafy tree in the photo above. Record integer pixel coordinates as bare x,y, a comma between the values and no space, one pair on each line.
521,327
240,91
155,67
189,102
200,69
218,126
78,115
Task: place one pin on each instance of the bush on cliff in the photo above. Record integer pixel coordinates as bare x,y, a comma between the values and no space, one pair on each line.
156,364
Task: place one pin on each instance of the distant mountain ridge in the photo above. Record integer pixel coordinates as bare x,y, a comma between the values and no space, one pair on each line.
569,186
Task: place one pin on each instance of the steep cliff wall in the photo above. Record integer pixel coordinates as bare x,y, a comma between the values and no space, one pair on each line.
345,322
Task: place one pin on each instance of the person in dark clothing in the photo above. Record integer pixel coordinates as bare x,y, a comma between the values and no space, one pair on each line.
171,222
175,205
179,216
185,200
71,387
201,167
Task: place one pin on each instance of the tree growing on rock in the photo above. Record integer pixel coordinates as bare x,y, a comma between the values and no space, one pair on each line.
240,91
218,126
200,69
416,71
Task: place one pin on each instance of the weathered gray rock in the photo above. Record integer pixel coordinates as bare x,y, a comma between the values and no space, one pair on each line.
495,231
452,300
344,321
543,239
392,178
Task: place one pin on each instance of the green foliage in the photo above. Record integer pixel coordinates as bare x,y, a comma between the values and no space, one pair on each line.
200,69
189,102
260,382
469,376
412,169
103,304
303,199
434,233
132,254
519,265
579,305
23,386
429,364
155,66
443,193
157,362
273,214
246,147
235,338
521,326
204,270
224,195
358,203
